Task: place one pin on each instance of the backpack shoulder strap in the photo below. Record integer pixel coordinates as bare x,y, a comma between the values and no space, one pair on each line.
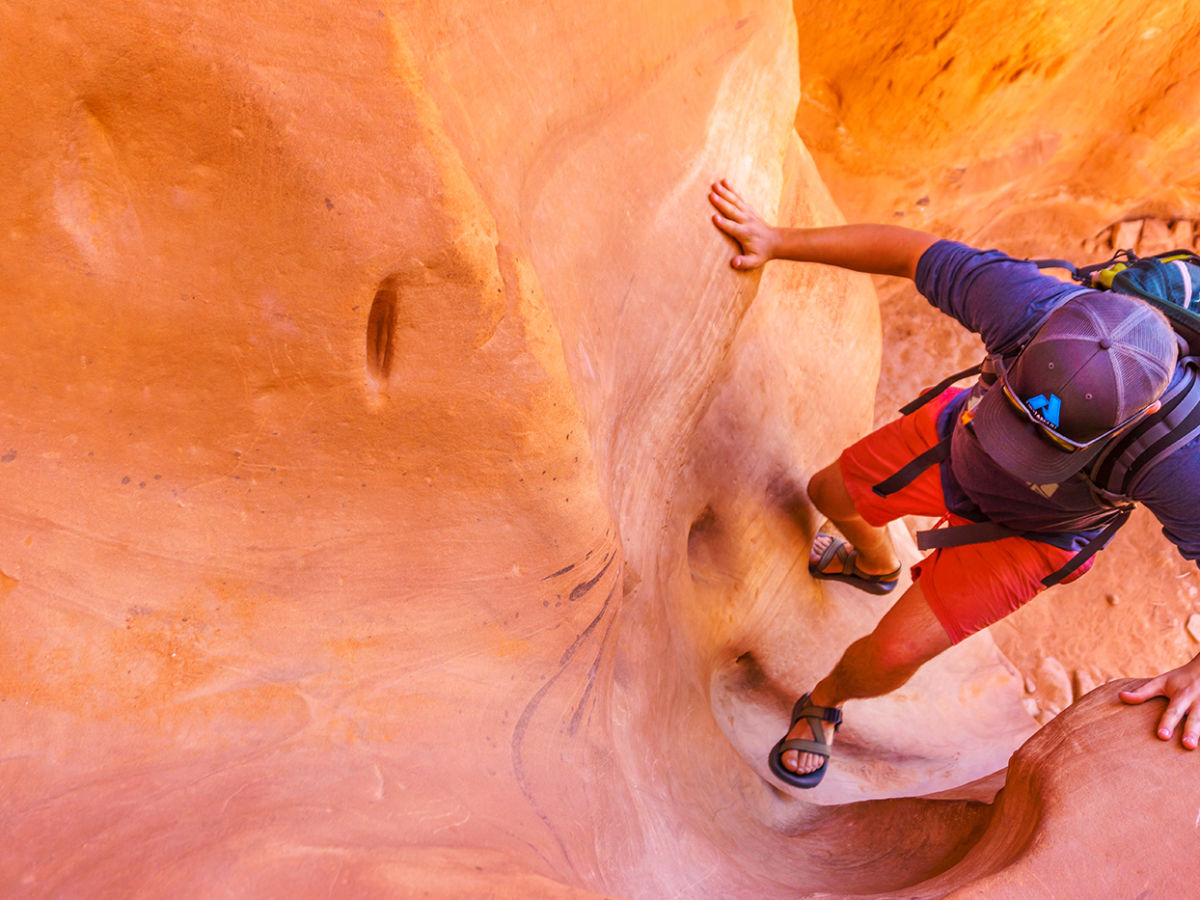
911,470
1091,548
982,532
1122,465
913,405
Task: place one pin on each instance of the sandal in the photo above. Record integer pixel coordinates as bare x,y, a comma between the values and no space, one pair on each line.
815,715
851,573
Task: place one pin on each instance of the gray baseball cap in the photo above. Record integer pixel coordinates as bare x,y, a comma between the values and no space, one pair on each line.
1094,366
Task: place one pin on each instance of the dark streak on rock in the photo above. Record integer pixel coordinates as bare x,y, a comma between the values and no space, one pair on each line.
562,571
531,708
577,718
581,589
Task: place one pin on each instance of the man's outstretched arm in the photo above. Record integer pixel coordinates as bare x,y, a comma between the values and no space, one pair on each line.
878,249
1181,687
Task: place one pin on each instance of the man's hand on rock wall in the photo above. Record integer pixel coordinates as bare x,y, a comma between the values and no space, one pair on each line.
737,219
1181,687
874,248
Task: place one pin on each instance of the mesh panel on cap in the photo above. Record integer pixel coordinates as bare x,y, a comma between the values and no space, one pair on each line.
1132,372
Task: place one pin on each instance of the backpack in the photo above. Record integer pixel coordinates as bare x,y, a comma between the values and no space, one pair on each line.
1170,282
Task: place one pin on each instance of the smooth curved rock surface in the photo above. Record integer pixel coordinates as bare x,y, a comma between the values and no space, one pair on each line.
401,495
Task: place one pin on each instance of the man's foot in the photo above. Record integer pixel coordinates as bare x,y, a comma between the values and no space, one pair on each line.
834,559
810,726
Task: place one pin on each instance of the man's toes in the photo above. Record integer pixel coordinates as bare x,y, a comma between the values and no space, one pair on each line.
801,763
809,762
820,543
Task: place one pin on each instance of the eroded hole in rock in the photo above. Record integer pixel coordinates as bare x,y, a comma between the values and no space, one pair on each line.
703,530
706,552
790,497
381,329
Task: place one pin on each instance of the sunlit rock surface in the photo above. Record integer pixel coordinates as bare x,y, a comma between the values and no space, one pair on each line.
400,494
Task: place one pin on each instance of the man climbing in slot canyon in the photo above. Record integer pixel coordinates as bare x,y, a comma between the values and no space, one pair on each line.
1019,468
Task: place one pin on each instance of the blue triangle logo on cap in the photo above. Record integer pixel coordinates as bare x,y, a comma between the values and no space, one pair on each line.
1047,409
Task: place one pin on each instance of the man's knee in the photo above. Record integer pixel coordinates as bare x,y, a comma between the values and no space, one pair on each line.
827,490
909,634
898,654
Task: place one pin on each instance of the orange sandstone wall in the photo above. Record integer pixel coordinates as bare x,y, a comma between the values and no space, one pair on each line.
983,110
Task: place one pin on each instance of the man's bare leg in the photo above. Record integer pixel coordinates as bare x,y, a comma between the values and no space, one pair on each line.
827,490
907,637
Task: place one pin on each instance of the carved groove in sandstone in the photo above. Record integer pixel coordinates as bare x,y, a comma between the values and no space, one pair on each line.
381,328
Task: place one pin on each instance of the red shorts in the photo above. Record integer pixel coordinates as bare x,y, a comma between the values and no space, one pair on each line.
969,587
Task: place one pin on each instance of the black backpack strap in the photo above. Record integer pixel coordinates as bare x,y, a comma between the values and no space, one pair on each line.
1056,264
961,535
982,532
936,390
1126,461
909,472
1085,274
1091,548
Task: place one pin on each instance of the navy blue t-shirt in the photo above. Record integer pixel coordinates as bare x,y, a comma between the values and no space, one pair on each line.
1001,299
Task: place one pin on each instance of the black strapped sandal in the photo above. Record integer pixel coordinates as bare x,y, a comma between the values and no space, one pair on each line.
815,715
